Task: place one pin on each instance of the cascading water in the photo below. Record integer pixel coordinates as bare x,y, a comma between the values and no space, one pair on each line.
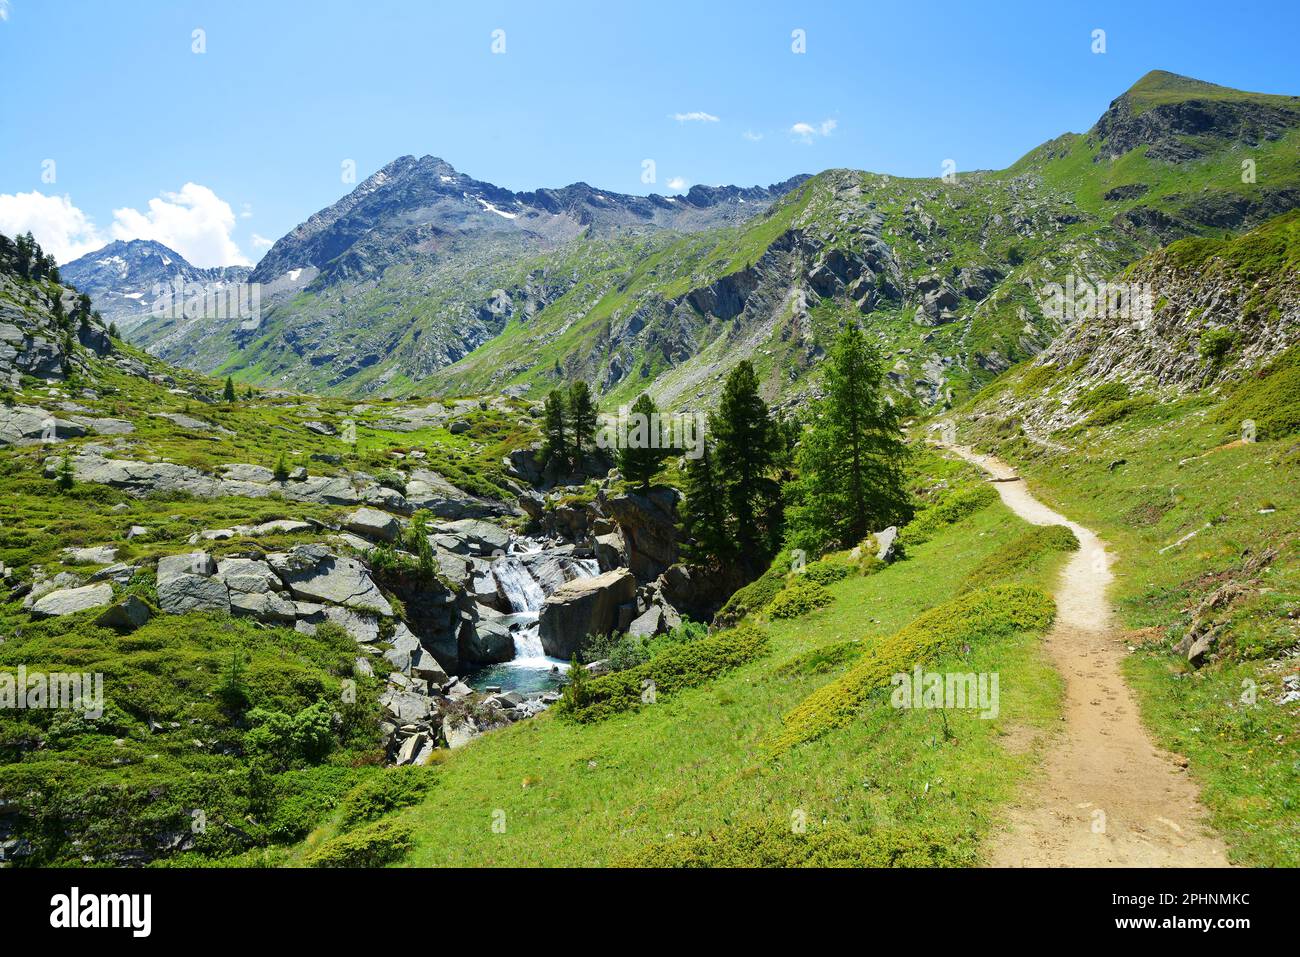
531,668
525,597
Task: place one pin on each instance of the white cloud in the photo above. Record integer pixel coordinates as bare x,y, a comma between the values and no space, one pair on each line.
261,242
4,9
195,222
752,136
695,116
677,184
63,231
806,132
246,211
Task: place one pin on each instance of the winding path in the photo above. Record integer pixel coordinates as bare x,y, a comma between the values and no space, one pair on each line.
1106,796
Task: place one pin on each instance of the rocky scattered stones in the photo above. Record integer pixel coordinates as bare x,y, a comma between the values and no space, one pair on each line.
314,573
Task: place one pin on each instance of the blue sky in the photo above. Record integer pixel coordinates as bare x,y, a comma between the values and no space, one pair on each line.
225,150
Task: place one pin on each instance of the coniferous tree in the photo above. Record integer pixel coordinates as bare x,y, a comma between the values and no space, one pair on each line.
642,451
65,475
582,420
851,460
556,448
707,537
748,448
229,393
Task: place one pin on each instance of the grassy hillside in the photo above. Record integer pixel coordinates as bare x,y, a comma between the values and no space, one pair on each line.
177,764
691,778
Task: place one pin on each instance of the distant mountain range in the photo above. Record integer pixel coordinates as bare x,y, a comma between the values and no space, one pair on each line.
126,278
425,280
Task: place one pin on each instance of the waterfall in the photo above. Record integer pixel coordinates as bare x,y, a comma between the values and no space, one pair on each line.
519,587
526,596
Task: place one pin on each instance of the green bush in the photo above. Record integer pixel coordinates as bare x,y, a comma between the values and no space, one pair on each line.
1018,554
623,651
976,617
1111,412
821,660
827,571
381,793
1099,396
685,666
957,504
777,844
371,846
799,598
756,595
1216,344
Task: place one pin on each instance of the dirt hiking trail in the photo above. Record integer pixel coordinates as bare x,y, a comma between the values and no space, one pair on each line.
1105,795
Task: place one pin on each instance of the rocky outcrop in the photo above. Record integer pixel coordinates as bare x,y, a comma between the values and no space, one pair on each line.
648,524
585,606
314,573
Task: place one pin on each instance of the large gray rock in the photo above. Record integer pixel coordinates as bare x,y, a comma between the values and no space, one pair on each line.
187,563
582,607
472,536
243,472
248,575
649,523
430,491
180,594
69,601
649,624
314,573
264,606
126,615
95,555
486,641
373,524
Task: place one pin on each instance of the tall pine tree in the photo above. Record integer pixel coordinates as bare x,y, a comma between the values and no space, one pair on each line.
555,451
642,451
851,460
582,421
706,536
748,448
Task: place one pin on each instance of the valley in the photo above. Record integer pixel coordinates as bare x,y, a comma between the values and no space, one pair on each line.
369,583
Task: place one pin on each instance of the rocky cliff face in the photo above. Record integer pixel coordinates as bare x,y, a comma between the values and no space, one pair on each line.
1197,316
34,341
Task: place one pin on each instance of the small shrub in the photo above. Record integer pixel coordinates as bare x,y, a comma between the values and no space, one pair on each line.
381,793
1020,553
827,571
983,615
371,846
776,844
685,666
1096,397
1216,344
799,598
